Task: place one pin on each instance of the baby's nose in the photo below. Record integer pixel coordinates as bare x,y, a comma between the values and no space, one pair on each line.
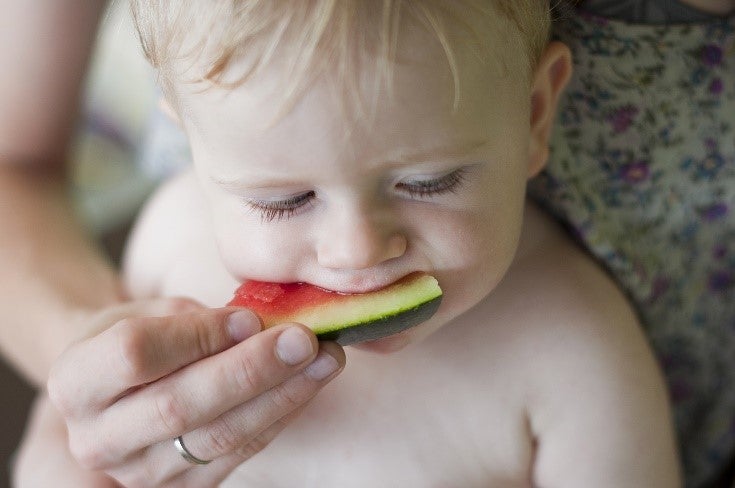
357,241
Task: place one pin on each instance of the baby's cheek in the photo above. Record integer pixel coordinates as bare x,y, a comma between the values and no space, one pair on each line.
474,253
478,240
257,252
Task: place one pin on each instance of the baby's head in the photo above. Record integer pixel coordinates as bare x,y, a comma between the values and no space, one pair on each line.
348,143
203,40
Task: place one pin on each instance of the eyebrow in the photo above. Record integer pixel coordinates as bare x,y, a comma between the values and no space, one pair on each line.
453,150
237,183
399,158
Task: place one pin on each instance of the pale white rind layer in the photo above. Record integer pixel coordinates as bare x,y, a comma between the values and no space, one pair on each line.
401,297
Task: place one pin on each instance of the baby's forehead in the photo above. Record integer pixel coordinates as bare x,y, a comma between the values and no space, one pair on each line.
422,87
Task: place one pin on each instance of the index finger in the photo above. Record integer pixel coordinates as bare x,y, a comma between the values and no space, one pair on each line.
135,351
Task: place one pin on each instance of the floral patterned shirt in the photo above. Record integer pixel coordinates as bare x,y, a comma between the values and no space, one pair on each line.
642,170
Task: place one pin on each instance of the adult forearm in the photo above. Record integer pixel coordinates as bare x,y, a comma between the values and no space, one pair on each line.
52,271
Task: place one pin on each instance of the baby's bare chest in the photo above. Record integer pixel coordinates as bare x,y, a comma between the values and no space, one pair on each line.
422,426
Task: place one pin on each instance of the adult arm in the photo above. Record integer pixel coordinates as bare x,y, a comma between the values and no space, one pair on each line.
53,273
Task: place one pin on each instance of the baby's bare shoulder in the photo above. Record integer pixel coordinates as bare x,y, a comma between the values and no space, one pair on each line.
556,356
593,395
556,300
171,250
563,299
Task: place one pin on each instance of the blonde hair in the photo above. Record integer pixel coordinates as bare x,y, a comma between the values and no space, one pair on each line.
201,39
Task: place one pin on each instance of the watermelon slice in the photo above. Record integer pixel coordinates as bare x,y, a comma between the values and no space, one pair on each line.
344,317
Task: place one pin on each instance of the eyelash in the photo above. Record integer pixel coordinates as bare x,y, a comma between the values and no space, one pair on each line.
448,183
283,209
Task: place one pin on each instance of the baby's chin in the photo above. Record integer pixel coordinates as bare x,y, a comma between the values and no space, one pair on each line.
397,342
386,345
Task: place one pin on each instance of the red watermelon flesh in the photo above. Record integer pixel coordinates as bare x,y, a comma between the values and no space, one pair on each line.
345,317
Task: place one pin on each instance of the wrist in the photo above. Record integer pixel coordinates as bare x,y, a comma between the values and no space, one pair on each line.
69,324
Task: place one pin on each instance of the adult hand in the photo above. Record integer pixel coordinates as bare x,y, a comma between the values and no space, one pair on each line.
168,368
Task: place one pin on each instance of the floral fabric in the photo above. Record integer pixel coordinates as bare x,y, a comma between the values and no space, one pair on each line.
642,170
647,11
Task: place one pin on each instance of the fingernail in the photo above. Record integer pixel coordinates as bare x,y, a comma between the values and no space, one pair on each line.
293,346
242,324
322,367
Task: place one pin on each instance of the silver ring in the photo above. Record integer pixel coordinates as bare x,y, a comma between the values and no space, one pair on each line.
179,443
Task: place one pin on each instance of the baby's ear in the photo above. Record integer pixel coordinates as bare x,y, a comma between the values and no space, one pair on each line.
169,110
551,76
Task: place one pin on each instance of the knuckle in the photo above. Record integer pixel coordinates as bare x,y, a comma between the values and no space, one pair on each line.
288,396
247,376
88,454
249,450
59,395
205,343
131,342
171,413
182,304
219,438
246,451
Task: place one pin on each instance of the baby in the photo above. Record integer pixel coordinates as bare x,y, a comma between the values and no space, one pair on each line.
348,144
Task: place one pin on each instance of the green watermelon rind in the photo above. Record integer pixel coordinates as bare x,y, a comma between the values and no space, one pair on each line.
384,326
370,316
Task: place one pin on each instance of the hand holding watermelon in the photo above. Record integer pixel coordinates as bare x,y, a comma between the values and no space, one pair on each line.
169,368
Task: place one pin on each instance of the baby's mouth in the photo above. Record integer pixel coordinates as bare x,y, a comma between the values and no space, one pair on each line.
344,317
367,287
